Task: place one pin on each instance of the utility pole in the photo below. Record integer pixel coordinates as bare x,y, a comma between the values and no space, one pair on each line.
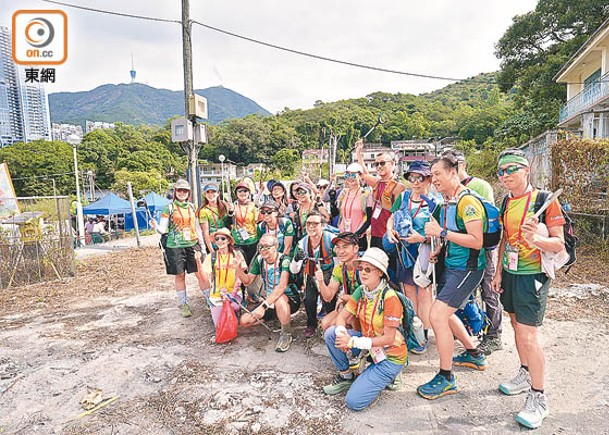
191,147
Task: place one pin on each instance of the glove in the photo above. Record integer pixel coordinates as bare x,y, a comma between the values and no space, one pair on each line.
299,255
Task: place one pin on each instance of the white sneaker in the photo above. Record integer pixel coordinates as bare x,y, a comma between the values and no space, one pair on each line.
534,411
519,384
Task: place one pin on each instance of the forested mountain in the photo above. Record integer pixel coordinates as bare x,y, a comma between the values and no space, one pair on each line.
138,104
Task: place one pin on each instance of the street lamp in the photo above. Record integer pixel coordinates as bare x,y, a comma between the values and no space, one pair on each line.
222,158
79,215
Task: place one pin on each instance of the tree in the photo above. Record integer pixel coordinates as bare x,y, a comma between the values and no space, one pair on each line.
286,160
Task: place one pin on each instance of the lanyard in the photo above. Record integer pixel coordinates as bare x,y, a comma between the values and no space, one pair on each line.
418,208
524,215
241,222
186,223
275,274
214,214
219,269
376,303
348,288
357,196
302,224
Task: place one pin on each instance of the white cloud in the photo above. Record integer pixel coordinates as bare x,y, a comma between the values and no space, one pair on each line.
438,37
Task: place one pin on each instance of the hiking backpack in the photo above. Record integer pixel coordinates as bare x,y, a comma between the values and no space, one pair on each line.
571,240
474,318
406,328
492,235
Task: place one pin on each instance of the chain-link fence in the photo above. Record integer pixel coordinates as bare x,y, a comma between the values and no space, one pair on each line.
37,244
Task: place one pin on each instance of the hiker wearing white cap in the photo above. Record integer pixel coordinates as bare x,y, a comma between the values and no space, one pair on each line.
183,241
379,311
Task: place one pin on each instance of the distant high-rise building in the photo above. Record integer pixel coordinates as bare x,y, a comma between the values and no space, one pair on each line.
24,107
11,114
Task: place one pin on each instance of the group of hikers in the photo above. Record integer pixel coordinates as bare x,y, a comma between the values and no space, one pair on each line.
350,254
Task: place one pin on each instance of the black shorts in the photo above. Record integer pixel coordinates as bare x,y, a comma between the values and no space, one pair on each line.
455,286
293,301
180,260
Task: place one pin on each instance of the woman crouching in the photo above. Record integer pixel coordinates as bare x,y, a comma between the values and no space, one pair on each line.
379,311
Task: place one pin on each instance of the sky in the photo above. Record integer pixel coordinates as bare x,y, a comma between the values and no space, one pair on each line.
448,38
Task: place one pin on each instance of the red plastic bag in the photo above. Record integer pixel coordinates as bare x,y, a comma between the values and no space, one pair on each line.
226,329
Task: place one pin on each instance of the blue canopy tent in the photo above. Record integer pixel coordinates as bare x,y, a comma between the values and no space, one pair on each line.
113,205
156,204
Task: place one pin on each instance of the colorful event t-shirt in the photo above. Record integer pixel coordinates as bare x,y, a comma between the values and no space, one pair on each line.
468,209
211,215
529,257
284,229
182,230
245,229
224,273
271,273
340,272
378,225
372,322
481,187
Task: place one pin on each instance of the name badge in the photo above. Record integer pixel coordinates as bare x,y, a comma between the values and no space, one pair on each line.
186,233
244,234
378,354
347,224
377,212
512,259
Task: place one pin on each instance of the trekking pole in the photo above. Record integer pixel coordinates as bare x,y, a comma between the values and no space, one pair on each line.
434,286
232,299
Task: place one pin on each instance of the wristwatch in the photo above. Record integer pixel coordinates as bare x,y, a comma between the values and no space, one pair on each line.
443,233
265,304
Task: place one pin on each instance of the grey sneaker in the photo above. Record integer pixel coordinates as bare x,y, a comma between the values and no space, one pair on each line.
519,384
490,345
284,342
185,310
396,384
338,385
534,411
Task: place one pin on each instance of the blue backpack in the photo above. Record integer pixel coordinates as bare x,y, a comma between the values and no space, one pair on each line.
492,234
474,318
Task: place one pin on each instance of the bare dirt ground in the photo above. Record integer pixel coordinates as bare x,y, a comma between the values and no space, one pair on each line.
116,327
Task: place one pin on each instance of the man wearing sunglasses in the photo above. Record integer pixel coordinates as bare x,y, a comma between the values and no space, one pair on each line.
280,299
521,282
460,228
385,190
280,227
491,341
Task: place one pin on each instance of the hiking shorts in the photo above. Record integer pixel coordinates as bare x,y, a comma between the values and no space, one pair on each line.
293,301
455,286
525,296
180,260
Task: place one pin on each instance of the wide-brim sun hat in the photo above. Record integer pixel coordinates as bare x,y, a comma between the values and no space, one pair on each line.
223,232
375,257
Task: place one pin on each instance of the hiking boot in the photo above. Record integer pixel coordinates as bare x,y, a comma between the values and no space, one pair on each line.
466,360
309,331
185,308
421,349
284,342
534,411
519,384
339,384
396,384
490,345
439,386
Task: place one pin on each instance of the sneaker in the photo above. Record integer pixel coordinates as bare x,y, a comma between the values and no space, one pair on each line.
490,345
466,360
396,384
309,331
421,349
519,384
338,385
284,342
534,411
185,310
439,386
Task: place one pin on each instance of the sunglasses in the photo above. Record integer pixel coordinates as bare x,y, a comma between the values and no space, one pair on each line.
182,190
266,212
366,269
265,247
220,238
322,187
512,169
242,191
415,178
349,175
383,163
313,224
301,192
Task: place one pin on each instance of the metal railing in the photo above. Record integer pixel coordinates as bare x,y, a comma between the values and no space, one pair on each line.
586,98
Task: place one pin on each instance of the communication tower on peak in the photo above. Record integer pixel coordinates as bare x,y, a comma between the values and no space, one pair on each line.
132,72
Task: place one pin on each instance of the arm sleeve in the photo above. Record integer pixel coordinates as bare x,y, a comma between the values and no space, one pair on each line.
366,224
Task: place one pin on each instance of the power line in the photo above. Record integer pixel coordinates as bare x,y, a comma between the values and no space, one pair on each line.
263,43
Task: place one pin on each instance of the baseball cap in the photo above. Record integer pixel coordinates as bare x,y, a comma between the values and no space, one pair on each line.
347,236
